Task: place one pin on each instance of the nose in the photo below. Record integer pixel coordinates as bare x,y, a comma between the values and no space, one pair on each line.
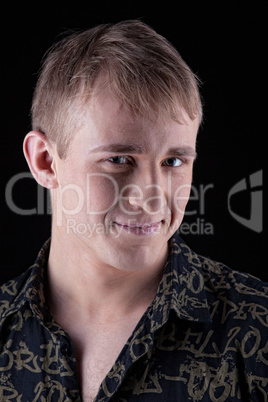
150,200
147,195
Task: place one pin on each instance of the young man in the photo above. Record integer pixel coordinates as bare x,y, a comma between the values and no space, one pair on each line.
117,307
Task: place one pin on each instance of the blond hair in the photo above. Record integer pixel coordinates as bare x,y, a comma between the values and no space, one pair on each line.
143,70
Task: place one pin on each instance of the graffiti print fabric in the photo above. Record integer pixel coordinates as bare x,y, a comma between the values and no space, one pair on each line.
204,338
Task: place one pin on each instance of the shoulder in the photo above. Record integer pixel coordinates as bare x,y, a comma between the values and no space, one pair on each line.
220,278
235,297
229,293
27,286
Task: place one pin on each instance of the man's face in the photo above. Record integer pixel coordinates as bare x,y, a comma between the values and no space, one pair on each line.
124,185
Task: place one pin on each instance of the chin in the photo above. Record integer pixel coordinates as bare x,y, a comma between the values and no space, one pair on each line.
139,257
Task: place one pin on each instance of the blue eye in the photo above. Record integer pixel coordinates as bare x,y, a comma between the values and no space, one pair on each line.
172,162
119,160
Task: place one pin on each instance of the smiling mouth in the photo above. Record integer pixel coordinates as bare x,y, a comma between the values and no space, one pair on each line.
140,229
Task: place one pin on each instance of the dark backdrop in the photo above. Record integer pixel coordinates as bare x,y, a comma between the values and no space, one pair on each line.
223,43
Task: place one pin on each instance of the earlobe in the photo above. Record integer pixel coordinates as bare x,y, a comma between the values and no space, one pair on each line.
40,158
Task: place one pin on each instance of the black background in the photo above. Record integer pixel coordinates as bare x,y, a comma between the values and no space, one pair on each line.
223,42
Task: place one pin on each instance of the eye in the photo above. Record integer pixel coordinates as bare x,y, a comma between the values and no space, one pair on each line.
172,162
119,160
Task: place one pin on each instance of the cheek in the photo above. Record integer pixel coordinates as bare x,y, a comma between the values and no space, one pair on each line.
180,196
101,193
92,195
71,198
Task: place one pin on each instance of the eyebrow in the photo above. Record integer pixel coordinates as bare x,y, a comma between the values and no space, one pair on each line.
183,151
136,149
120,148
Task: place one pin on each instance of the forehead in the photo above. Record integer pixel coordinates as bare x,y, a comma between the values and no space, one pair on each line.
106,119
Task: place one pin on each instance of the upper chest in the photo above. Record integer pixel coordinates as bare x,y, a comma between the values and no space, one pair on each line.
96,352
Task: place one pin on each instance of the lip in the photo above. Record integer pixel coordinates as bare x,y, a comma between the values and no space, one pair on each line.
140,228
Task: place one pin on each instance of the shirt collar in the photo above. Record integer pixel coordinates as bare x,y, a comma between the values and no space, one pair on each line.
181,288
32,290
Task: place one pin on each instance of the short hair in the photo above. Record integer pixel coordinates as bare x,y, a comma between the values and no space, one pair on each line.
144,71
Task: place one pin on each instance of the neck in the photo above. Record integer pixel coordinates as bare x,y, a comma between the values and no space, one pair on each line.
77,284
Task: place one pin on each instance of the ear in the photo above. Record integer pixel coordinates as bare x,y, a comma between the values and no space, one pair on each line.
41,159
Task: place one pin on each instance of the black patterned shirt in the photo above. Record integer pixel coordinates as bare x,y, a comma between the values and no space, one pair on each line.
204,338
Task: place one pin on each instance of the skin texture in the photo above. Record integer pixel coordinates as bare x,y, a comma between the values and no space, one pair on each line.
117,198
